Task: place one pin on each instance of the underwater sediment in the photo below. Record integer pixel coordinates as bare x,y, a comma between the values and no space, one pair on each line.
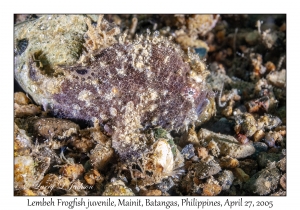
185,106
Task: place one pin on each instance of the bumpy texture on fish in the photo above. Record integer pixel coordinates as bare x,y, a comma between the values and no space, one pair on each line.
130,86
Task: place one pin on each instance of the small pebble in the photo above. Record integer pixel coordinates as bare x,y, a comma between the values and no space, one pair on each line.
225,179
188,151
277,78
21,99
211,188
280,192
150,193
248,125
240,174
263,182
249,166
166,185
101,155
228,145
117,188
259,147
202,152
265,158
270,66
258,135
206,168
52,181
52,128
72,171
228,162
93,176
283,181
282,164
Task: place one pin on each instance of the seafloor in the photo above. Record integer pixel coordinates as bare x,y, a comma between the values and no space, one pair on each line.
236,146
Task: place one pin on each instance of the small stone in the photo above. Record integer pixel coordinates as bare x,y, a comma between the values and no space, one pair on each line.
208,112
192,137
51,154
272,137
21,99
26,110
268,122
117,188
23,106
280,192
228,145
258,105
240,174
277,78
269,38
269,140
22,142
62,183
283,181
150,193
281,113
258,135
202,152
206,168
264,181
188,151
281,130
213,148
270,66
223,126
101,155
247,123
178,159
259,147
166,185
225,179
24,172
249,166
187,183
25,192
228,111
53,182
160,161
282,164
83,144
211,187
252,37
201,24
201,51
93,176
265,158
72,171
228,162
195,159
52,128
29,171
242,138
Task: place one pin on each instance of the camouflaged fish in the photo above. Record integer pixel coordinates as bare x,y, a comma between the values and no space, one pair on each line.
126,85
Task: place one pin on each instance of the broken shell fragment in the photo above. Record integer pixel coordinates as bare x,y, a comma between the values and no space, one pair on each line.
161,161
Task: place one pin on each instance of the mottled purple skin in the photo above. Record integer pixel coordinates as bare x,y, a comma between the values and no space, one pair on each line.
183,96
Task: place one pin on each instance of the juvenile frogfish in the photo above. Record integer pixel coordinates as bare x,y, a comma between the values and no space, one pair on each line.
127,85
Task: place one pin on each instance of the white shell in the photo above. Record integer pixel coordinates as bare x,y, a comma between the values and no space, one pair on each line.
163,156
